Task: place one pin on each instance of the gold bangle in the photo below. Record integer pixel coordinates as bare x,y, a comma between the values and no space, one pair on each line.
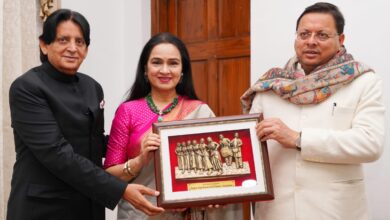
128,170
124,169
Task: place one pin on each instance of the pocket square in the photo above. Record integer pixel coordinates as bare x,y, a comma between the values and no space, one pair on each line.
101,105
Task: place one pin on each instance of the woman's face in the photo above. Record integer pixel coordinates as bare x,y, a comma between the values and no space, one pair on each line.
164,67
68,50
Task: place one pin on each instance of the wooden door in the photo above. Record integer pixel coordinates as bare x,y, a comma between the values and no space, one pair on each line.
217,35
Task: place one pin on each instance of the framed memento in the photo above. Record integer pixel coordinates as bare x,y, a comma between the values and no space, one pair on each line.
211,161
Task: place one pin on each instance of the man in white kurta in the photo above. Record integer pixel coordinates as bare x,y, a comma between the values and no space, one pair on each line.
324,117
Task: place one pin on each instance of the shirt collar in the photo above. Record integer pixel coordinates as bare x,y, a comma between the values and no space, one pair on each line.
58,75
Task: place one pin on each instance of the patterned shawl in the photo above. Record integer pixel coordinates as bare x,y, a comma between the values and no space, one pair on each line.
292,84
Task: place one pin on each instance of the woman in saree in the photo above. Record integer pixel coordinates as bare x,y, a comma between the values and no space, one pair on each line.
163,91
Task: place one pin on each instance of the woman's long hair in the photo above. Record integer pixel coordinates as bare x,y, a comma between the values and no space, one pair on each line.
141,87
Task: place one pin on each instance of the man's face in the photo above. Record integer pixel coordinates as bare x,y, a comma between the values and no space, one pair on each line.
68,50
317,40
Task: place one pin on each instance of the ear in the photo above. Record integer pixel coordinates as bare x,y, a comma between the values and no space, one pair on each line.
43,47
341,39
86,52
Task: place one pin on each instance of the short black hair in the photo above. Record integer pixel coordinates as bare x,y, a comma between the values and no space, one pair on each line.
141,87
327,8
53,20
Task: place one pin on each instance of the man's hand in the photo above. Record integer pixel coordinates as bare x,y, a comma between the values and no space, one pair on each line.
275,129
134,194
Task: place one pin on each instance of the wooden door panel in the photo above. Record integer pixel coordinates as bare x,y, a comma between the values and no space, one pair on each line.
192,20
200,78
159,16
233,17
206,85
217,35
233,82
220,48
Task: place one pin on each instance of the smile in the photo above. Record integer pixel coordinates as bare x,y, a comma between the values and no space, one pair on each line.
311,52
164,79
70,58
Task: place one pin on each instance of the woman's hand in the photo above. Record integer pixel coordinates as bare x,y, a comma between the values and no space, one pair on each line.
149,143
275,129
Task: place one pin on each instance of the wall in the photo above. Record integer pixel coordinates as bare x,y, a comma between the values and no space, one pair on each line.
367,30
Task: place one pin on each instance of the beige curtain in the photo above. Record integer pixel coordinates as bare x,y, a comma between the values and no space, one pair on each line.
20,26
1,115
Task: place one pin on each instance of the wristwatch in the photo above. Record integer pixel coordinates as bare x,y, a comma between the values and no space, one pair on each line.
298,141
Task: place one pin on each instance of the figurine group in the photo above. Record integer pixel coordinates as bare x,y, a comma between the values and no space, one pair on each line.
206,157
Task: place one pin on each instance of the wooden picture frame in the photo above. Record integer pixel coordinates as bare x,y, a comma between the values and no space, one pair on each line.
185,182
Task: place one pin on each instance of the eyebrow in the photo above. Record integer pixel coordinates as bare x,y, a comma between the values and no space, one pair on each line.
169,59
307,30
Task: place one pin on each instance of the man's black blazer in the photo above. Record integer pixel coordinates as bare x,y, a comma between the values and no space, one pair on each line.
59,141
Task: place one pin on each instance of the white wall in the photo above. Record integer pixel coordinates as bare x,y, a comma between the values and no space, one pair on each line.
367,31
120,28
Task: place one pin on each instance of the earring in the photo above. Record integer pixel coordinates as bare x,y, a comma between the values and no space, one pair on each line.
181,78
146,77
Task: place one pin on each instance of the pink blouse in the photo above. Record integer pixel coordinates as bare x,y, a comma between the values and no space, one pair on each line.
132,120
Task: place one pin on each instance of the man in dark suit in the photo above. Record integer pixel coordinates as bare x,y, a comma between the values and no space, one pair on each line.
57,117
